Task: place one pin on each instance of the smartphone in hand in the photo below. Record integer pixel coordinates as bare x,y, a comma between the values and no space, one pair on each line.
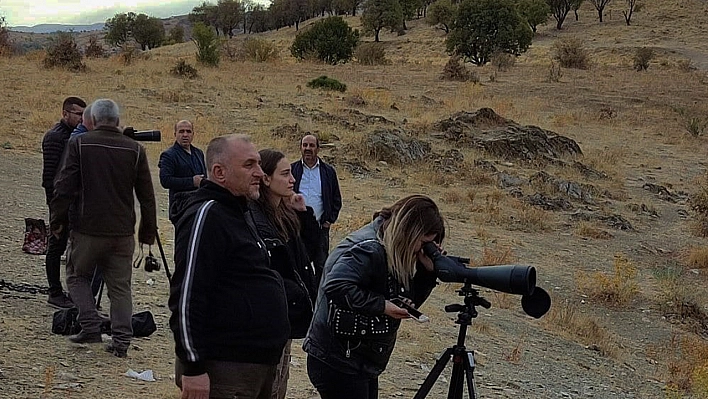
415,313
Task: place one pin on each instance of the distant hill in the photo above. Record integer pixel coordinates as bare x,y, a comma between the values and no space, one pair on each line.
50,28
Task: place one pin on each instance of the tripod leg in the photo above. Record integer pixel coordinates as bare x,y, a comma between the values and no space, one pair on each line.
434,374
469,372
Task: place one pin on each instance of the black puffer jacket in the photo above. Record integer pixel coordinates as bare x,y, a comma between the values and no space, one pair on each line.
53,145
291,260
356,277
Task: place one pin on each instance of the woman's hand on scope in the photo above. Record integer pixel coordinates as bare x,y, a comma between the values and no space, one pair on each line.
395,312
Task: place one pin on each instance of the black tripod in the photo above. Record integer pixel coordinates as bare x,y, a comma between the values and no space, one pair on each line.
462,359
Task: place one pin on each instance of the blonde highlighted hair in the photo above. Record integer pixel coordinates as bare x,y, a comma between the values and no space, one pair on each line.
405,222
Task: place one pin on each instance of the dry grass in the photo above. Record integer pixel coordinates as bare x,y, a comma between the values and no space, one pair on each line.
688,365
698,257
588,230
617,288
568,320
622,120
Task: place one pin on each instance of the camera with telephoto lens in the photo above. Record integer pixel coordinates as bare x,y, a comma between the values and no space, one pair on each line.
142,135
151,263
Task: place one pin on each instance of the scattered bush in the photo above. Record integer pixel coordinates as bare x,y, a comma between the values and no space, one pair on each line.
330,40
94,49
63,53
642,57
455,70
325,83
5,42
503,61
183,69
207,44
571,53
259,50
554,73
127,53
371,54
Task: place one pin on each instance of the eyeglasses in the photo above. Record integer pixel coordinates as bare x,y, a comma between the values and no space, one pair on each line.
78,113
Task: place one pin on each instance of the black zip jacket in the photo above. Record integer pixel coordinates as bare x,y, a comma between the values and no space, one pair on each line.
53,145
227,303
356,277
291,260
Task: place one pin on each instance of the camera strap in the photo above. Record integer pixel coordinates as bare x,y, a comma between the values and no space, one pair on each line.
138,261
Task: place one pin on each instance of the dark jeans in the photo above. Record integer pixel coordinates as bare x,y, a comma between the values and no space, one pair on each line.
331,384
55,249
234,380
321,258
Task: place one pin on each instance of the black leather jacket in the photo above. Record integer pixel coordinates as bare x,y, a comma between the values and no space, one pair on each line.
291,260
356,277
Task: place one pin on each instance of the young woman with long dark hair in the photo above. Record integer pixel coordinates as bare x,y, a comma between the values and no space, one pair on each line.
289,229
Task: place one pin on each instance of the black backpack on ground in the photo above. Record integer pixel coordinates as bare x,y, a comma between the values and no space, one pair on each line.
65,322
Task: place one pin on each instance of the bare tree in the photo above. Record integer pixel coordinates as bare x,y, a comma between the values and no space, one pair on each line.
600,6
560,10
576,6
631,7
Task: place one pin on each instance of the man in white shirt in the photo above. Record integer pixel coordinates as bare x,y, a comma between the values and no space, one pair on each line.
317,182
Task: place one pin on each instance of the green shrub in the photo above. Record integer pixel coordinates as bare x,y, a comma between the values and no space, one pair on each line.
325,83
259,50
183,69
64,53
371,54
330,40
642,57
207,44
571,53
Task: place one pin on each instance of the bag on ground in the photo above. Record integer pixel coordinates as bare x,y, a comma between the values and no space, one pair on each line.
36,237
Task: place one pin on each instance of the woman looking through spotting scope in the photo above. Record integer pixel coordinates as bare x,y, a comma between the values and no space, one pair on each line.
290,231
354,328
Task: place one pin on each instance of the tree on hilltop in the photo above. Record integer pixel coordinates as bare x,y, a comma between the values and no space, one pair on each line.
379,14
484,27
536,12
119,28
600,6
443,13
149,32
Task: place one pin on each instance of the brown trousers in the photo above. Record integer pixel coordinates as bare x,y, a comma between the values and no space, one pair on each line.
282,373
114,255
231,380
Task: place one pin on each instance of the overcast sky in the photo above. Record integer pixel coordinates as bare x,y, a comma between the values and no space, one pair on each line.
34,12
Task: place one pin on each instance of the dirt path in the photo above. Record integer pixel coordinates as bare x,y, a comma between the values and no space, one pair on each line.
516,357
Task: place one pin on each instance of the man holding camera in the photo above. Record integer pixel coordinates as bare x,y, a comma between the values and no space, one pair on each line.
103,225
53,146
229,310
182,166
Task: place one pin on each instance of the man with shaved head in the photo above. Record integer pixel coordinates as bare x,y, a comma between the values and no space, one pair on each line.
182,166
229,309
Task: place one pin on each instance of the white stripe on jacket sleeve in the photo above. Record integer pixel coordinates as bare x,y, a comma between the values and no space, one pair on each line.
187,341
